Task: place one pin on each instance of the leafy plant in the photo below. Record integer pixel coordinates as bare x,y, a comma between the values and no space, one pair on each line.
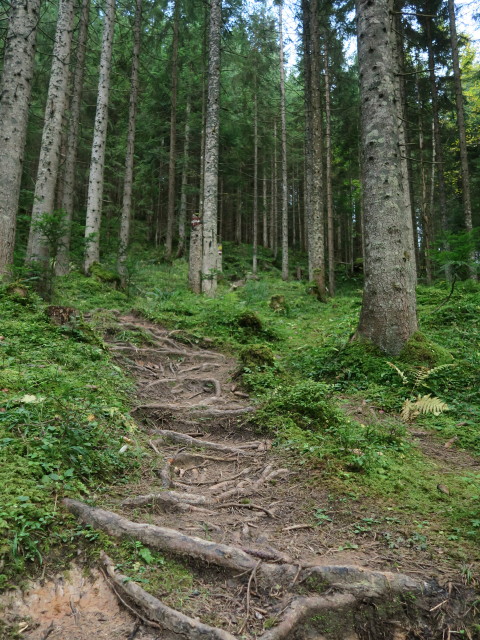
421,404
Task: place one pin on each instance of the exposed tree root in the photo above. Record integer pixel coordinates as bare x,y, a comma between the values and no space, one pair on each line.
305,608
162,538
156,613
170,501
175,436
355,580
244,489
197,410
245,505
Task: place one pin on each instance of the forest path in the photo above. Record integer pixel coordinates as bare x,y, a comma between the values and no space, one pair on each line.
268,552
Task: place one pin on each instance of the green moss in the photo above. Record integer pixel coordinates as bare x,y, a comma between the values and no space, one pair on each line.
250,320
104,275
421,351
257,355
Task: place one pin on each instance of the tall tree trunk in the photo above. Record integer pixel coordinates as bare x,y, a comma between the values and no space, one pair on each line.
44,198
195,255
97,162
388,315
66,204
283,119
328,178
182,214
274,236
396,7
172,161
129,156
15,89
308,164
442,199
255,180
238,217
264,207
317,245
467,202
210,189
424,200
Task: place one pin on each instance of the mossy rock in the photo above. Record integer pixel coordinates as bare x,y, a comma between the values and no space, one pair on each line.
257,355
422,352
249,320
105,275
19,293
278,303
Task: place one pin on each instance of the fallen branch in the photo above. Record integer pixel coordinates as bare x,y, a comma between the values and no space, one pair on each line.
175,436
305,608
158,614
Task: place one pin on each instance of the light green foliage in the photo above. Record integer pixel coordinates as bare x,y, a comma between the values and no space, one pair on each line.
62,421
318,374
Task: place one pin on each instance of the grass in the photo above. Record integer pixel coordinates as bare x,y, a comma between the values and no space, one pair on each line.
64,404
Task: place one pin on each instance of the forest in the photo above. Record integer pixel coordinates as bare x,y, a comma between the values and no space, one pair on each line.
239,320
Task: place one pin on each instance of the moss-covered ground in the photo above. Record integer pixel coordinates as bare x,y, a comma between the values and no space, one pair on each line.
333,403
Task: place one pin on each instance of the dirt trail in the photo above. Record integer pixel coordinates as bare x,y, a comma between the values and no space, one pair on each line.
272,554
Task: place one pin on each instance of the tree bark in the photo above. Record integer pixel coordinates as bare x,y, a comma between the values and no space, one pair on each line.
328,178
442,199
255,180
97,163
317,241
308,179
66,203
396,7
44,198
264,207
129,157
467,202
388,315
212,124
182,214
15,92
172,159
283,120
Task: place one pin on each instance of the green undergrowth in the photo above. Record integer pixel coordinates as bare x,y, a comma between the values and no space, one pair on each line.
297,358
63,423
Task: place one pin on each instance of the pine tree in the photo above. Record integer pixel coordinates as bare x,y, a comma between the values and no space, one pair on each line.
97,162
388,315
15,89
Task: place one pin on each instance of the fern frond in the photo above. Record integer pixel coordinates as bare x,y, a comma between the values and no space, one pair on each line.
423,404
400,373
421,375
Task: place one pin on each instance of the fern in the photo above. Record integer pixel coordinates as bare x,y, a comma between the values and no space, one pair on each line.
423,404
400,373
424,373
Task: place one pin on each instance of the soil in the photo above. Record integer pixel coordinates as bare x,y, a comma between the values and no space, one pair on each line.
255,498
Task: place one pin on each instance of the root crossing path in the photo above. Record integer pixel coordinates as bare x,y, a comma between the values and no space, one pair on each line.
218,501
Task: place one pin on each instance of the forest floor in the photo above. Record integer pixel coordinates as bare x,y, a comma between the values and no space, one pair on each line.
253,541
